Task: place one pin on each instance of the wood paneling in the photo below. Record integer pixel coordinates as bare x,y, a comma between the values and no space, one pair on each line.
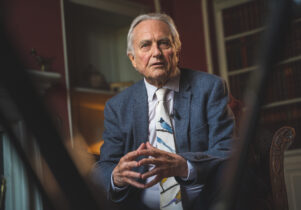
88,115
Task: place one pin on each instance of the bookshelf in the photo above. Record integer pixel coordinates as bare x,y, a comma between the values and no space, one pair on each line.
98,66
239,27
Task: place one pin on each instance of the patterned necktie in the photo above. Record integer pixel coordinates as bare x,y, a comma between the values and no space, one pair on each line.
170,194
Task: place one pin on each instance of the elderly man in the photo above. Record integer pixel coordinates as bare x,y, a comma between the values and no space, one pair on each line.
166,136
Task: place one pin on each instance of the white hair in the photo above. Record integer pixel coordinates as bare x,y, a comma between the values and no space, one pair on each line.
154,16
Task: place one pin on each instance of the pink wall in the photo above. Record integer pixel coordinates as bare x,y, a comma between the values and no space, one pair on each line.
37,24
188,18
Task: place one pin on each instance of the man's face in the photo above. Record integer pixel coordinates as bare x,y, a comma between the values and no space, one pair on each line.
155,55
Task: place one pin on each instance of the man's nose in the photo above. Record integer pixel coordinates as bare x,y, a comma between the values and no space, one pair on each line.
157,51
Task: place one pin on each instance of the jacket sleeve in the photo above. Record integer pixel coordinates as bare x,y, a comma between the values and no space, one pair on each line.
111,152
220,122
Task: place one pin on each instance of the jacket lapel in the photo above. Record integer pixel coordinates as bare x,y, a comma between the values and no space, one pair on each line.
140,110
140,115
182,101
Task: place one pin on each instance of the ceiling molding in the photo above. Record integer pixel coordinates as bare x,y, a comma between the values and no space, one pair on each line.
116,6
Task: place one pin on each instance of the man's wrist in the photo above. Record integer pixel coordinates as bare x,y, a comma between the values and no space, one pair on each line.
115,187
191,172
185,169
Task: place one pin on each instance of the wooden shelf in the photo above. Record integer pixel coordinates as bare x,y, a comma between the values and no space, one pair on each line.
290,60
242,71
252,68
251,32
244,34
91,90
44,79
282,103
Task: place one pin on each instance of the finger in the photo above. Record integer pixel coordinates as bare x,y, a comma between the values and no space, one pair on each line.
146,161
142,146
131,156
147,152
129,165
150,173
131,174
152,148
153,182
134,183
149,146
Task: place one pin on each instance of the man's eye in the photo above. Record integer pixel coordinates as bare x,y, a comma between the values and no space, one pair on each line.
144,45
164,44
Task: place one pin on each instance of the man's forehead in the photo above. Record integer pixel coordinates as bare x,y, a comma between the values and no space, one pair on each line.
148,28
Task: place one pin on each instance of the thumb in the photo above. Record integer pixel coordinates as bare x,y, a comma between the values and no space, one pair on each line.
142,146
148,145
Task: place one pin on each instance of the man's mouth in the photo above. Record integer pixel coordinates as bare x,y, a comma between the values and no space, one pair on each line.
157,64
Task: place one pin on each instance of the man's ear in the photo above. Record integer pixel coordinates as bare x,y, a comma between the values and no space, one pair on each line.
132,59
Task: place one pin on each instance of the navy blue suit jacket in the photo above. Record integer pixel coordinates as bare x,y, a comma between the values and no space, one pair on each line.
203,128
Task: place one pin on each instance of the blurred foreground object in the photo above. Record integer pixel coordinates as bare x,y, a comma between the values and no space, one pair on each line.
38,121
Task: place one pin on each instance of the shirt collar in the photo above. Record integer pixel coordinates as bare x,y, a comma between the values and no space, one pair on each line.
172,84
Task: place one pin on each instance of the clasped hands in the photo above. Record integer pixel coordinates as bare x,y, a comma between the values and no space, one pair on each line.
166,164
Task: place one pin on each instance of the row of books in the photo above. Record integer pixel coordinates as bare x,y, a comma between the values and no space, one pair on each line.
243,52
284,114
238,85
284,83
244,17
293,41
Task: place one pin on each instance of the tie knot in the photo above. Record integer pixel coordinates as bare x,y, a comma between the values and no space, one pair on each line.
160,93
